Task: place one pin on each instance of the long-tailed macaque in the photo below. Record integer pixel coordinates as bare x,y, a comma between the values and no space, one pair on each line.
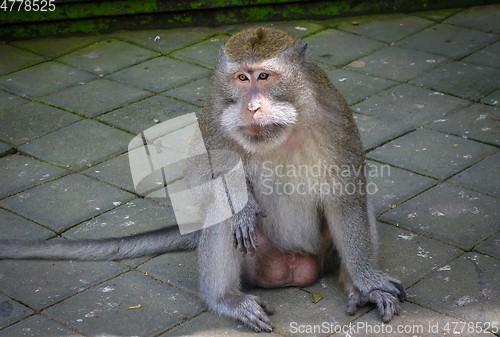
279,112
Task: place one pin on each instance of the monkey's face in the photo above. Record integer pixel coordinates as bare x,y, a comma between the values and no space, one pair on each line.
259,114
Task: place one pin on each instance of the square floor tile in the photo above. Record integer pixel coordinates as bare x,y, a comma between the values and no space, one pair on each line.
96,97
389,186
490,246
388,28
413,105
355,86
462,79
53,47
14,59
409,257
375,130
484,18
489,56
65,202
142,115
6,149
438,15
432,153
478,121
396,63
196,92
296,28
452,214
338,48
15,227
466,288
204,53
11,311
483,176
101,310
8,101
79,145
30,121
43,79
159,74
448,40
19,172
38,326
116,172
43,283
492,99
107,56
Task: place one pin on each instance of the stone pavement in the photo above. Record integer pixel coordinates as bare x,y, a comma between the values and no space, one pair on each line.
424,88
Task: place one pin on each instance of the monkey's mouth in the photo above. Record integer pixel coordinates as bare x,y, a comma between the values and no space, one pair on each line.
256,130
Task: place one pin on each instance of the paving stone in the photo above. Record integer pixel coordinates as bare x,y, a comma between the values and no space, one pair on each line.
393,185
14,227
455,215
409,257
116,172
388,28
43,79
414,321
492,99
462,79
38,326
196,92
11,311
8,101
14,59
490,246
101,310
159,74
439,14
140,116
84,143
177,268
65,202
396,63
204,53
448,40
375,130
347,46
431,153
483,176
52,47
295,305
415,106
19,172
297,28
356,87
107,56
30,121
478,121
488,56
209,325
96,97
134,217
43,283
484,18
466,288
169,40
6,149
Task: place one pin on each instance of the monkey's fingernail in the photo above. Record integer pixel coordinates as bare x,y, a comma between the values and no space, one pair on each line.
263,214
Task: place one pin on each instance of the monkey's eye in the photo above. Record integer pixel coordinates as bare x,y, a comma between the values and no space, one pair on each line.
263,76
243,77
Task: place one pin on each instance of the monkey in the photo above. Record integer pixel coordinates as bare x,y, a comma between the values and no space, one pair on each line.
276,109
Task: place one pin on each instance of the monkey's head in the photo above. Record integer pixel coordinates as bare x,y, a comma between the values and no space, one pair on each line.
258,77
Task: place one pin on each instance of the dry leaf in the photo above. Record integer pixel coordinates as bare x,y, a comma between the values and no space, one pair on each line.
315,297
134,307
355,23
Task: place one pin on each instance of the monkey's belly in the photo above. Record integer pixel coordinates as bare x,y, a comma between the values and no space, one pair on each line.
272,268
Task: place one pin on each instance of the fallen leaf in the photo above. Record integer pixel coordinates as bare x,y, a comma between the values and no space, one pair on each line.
355,23
315,297
134,307
358,64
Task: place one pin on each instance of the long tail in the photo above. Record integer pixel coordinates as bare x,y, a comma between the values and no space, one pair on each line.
149,243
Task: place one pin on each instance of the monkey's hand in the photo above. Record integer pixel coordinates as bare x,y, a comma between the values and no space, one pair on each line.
382,290
243,226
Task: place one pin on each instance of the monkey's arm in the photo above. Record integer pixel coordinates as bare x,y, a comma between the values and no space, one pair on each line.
153,242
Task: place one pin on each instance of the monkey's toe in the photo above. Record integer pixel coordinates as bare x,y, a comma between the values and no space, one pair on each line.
251,312
387,304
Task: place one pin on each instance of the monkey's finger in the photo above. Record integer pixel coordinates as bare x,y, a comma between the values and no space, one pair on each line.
352,303
239,239
247,242
255,240
268,308
400,287
262,213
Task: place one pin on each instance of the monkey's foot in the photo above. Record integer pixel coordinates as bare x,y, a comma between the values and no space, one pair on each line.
385,292
252,311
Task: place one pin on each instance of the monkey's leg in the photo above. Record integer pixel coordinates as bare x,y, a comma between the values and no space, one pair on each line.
352,234
220,278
